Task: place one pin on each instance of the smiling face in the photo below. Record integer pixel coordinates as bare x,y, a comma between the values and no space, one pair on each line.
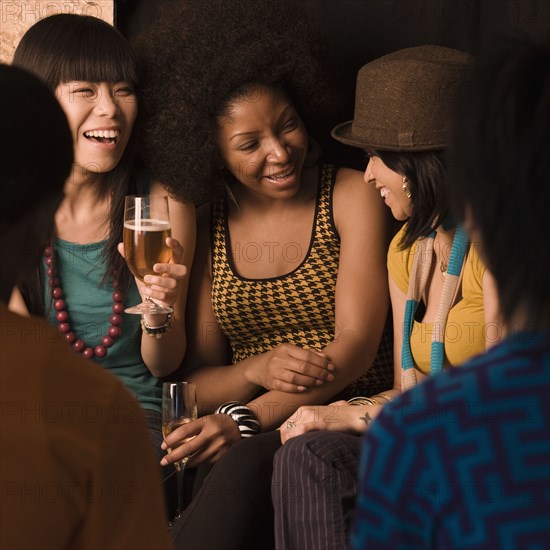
101,116
263,143
390,185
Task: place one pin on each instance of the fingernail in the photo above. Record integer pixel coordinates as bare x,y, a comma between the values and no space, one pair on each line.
164,446
302,388
330,366
330,377
164,462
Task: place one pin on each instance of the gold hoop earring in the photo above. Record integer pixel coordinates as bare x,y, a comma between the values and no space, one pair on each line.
406,189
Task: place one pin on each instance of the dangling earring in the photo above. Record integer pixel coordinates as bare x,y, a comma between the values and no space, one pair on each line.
406,189
230,194
228,189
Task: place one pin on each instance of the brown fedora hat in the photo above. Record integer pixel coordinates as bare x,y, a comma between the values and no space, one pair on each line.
401,100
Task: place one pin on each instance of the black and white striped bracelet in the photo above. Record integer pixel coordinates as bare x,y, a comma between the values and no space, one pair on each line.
243,416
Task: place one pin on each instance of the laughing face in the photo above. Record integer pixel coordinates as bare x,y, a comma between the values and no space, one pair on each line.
101,116
390,186
263,143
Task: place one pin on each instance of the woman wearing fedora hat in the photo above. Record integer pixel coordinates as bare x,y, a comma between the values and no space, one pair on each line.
461,461
442,298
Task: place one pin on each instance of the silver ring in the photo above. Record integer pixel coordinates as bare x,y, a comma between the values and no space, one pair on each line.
290,425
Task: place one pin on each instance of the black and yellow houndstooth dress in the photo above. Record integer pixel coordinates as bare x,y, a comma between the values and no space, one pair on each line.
257,315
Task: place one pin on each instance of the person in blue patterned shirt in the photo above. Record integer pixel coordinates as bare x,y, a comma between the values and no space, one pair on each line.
463,460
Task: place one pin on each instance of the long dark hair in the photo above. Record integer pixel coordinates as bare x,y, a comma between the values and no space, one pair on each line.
425,173
68,47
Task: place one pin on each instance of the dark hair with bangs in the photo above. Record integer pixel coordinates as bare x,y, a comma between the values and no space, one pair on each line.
66,47
426,174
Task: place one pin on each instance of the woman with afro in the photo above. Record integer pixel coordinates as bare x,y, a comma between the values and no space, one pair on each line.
288,294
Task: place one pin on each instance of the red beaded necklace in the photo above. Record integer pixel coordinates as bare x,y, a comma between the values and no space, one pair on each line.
62,315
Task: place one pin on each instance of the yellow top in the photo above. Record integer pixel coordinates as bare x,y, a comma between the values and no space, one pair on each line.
465,329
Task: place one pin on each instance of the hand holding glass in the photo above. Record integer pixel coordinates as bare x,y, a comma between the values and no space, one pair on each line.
146,227
179,406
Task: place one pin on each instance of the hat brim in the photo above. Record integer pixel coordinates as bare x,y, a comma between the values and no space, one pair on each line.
344,134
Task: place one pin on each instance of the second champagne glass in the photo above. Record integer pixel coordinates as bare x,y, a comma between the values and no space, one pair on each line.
146,227
179,406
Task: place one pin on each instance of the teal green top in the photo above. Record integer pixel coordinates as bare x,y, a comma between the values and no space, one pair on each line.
80,269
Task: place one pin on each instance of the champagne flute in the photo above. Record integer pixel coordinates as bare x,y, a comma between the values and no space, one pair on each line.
179,406
146,227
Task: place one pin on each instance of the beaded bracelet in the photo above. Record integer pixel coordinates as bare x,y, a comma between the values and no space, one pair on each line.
243,416
157,332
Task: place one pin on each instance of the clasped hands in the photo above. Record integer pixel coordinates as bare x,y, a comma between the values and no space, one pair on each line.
289,368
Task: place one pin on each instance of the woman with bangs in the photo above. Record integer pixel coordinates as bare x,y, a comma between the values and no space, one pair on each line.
81,281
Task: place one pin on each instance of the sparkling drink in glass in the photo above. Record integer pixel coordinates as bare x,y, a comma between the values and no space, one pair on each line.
146,227
179,406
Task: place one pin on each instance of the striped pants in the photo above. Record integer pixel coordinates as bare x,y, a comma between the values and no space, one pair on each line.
313,490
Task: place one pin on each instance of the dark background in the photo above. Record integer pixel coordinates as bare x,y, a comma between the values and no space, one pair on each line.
357,31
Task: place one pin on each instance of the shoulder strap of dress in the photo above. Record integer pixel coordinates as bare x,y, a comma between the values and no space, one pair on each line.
325,194
327,176
217,235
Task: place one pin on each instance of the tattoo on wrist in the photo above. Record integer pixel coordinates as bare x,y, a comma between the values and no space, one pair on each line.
367,419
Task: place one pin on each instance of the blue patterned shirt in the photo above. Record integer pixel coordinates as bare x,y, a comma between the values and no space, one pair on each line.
463,460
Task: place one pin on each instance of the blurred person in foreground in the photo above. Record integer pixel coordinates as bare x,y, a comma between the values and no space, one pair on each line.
461,461
76,468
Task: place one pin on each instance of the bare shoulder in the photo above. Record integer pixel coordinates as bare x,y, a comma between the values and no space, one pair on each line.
351,186
354,198
349,176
